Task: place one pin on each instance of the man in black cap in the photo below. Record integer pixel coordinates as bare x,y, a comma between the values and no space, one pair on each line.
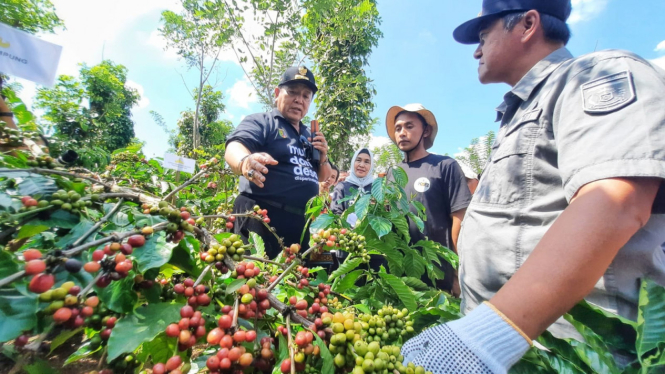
273,153
571,204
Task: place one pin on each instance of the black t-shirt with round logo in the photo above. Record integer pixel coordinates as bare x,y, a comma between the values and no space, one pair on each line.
291,182
438,183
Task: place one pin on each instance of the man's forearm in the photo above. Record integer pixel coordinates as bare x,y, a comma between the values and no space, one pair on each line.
235,151
324,171
457,218
575,252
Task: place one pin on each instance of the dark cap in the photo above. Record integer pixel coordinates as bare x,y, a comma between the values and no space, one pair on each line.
467,33
299,74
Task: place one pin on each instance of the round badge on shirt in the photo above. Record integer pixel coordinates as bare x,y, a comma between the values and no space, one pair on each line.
422,184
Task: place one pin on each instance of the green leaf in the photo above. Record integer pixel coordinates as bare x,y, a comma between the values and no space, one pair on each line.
182,258
235,285
393,255
403,292
417,220
141,326
377,190
328,364
63,337
363,308
562,356
362,206
159,349
119,296
348,265
616,331
59,218
18,313
413,262
415,283
40,367
282,354
6,201
259,245
525,366
75,233
419,206
402,225
322,222
594,353
120,218
36,184
8,264
348,281
400,176
651,317
155,253
27,231
83,352
380,225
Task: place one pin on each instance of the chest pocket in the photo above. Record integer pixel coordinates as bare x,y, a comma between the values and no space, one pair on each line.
504,180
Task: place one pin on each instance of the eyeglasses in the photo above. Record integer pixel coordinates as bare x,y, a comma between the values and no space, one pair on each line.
304,94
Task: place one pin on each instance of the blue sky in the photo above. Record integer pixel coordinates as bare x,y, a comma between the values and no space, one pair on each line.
416,61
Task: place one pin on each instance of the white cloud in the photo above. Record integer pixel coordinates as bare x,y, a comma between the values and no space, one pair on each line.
92,31
378,141
659,62
157,40
144,101
241,94
583,10
660,47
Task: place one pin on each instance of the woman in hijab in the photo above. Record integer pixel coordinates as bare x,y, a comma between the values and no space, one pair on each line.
360,179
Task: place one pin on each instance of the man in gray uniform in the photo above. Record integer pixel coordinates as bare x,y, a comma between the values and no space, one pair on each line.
571,204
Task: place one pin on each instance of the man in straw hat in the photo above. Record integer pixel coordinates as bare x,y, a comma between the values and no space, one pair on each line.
571,204
437,182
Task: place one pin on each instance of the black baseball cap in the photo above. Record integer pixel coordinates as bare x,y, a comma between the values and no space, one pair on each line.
299,74
467,33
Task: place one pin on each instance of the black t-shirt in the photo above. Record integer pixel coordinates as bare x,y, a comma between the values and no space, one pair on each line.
438,183
291,182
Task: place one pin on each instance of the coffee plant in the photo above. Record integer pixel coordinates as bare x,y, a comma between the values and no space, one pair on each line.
141,273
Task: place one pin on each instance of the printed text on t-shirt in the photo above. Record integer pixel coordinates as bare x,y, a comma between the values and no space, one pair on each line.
303,170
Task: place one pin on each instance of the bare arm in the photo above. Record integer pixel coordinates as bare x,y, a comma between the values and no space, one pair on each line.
576,251
324,171
457,225
235,151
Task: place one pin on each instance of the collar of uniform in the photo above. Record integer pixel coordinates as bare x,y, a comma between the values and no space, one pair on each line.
277,114
543,69
532,79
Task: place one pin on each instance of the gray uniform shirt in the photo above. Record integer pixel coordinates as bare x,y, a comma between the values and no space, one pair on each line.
568,122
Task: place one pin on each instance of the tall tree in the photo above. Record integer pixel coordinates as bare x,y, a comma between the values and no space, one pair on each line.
267,40
91,112
198,34
386,156
30,15
476,155
340,37
213,131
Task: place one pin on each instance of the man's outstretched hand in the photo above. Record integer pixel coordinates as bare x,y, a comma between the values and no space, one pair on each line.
483,342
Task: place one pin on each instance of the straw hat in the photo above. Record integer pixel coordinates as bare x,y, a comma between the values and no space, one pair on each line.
415,108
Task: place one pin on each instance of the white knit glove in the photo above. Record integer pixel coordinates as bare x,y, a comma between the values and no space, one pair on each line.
482,342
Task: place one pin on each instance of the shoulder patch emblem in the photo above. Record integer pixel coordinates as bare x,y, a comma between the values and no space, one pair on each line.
609,93
422,185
